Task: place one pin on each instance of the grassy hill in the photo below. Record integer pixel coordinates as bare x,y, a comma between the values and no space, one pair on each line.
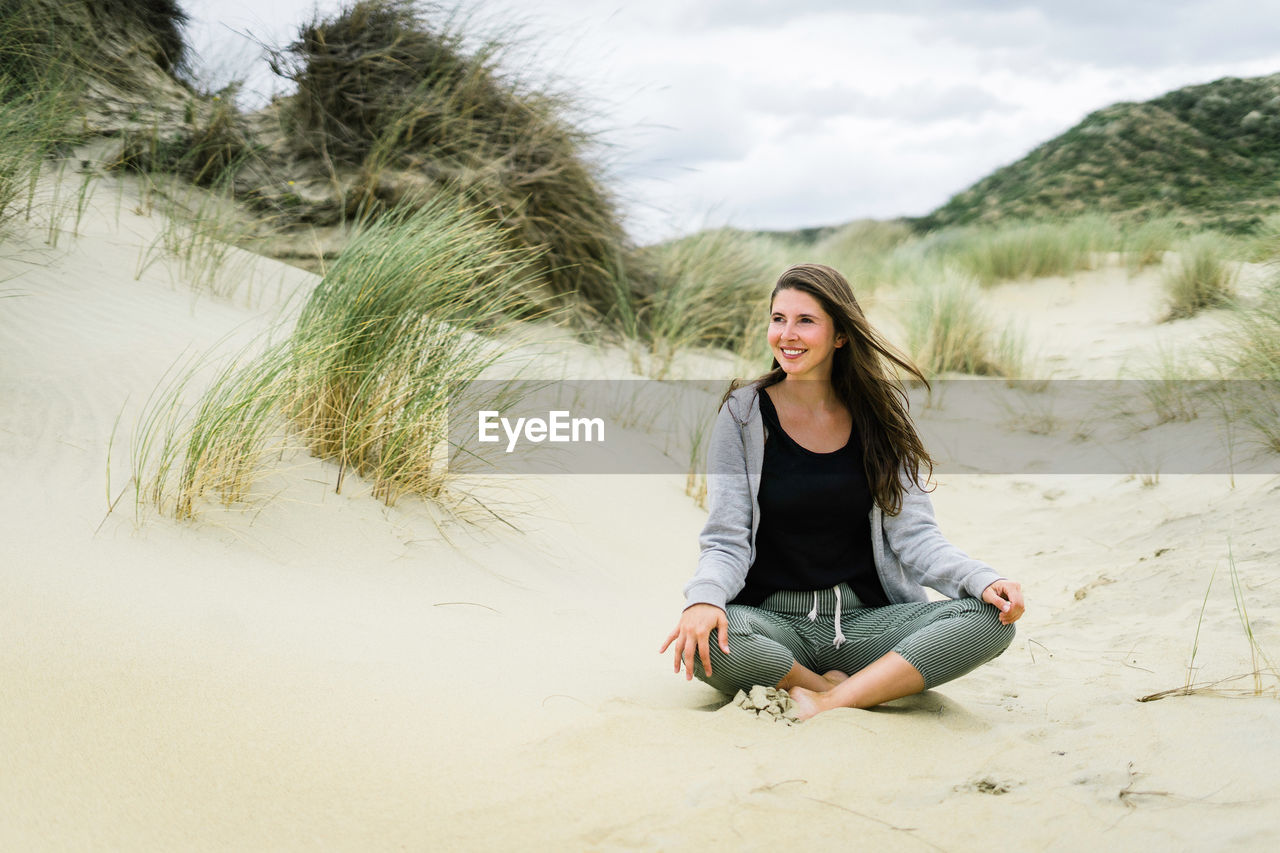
1208,154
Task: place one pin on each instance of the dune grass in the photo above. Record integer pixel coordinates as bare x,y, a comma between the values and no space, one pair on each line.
402,321
1201,275
870,254
1250,354
1263,243
204,237
182,453
1262,667
102,40
709,289
399,96
948,330
31,126
1169,388
1025,250
37,101
1144,244
396,325
210,147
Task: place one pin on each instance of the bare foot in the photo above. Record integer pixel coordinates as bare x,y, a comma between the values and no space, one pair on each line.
807,702
835,676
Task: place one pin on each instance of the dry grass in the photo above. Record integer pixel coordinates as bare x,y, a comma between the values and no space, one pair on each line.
1262,667
1145,244
397,95
208,150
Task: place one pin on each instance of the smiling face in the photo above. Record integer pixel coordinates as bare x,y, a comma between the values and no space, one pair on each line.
802,335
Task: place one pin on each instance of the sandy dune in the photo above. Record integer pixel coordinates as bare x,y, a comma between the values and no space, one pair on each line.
319,670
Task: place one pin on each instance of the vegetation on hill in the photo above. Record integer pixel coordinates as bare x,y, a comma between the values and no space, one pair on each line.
1208,154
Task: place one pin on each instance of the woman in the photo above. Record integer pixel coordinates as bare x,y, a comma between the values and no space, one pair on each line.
794,587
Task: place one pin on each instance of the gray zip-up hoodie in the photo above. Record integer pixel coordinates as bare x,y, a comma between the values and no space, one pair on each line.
910,551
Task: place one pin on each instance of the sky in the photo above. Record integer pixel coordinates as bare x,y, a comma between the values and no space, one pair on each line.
763,114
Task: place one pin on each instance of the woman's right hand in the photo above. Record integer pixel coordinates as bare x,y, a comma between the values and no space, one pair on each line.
692,634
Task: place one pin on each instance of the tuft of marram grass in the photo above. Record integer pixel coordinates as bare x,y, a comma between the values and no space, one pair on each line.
404,99
709,289
392,330
185,452
399,324
1263,244
1250,353
208,150
1200,276
1144,245
948,330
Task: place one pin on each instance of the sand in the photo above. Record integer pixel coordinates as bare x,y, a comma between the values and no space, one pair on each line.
320,670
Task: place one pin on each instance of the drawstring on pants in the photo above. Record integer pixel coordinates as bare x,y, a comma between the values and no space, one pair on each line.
813,616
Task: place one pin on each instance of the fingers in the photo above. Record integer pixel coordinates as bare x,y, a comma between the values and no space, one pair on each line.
1016,603
704,651
1006,596
692,639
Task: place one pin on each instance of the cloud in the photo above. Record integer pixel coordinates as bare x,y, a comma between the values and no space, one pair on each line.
1121,35
917,103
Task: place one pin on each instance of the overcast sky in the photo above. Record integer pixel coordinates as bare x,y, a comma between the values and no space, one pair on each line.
768,114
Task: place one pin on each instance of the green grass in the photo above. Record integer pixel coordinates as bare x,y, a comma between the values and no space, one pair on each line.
405,318
394,327
1200,276
183,452
948,330
37,82
1145,244
710,289
1025,250
1250,350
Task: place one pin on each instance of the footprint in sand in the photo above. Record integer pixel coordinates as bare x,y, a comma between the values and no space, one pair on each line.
988,785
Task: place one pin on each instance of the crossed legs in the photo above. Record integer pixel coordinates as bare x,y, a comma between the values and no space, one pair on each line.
891,651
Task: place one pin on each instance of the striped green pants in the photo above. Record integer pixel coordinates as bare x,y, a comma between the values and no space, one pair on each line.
826,630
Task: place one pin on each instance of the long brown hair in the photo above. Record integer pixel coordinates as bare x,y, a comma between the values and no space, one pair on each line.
874,396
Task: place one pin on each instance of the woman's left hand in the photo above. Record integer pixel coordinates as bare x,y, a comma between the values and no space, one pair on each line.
1007,598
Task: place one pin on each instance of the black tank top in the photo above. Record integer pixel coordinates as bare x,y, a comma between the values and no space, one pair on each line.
815,529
